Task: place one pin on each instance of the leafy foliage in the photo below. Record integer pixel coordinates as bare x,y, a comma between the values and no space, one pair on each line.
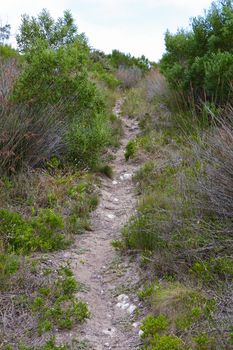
5,32
199,62
119,59
43,28
40,233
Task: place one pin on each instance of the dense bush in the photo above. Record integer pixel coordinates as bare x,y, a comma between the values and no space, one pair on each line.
182,230
215,182
119,59
41,233
129,76
51,106
199,62
29,136
44,29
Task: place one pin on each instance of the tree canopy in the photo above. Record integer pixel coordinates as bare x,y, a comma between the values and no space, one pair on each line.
200,61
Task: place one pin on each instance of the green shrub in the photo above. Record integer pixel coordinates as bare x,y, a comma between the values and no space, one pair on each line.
106,170
166,342
119,59
24,236
55,76
198,63
81,138
7,52
49,345
47,227
152,325
43,28
130,149
9,265
57,305
213,269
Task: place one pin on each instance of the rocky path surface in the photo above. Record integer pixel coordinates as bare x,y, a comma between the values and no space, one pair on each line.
109,278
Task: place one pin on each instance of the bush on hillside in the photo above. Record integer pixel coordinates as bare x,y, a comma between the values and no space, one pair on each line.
45,29
120,59
216,180
198,63
52,106
129,76
28,136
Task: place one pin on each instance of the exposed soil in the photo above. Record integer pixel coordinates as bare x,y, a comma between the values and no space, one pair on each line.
105,274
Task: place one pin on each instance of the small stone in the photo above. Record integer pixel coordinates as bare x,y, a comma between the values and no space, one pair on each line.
116,200
126,176
123,297
140,333
114,182
106,345
136,324
111,216
125,306
131,309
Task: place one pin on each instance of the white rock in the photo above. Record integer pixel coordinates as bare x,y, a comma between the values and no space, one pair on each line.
140,333
111,216
116,200
125,306
136,324
123,297
126,177
131,309
114,182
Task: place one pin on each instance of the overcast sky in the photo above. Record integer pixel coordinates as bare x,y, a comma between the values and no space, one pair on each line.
134,26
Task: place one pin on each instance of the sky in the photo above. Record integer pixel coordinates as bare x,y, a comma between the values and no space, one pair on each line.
131,26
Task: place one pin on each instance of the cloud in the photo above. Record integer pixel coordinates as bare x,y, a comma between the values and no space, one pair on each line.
135,26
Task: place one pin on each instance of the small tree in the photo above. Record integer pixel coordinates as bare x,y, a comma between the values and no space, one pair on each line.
199,62
4,33
45,28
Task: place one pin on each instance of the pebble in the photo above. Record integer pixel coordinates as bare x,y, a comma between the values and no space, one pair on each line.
111,216
123,303
140,333
131,309
126,177
114,182
123,297
136,324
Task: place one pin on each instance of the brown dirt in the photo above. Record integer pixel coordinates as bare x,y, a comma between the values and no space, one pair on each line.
105,273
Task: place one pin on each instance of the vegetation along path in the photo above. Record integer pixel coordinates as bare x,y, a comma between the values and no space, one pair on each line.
107,279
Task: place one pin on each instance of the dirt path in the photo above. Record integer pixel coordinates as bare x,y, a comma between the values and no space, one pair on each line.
108,278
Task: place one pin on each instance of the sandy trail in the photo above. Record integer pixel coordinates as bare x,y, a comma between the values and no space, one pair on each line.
104,273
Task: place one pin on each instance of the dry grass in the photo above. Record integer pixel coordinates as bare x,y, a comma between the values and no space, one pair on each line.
216,182
29,137
129,76
9,71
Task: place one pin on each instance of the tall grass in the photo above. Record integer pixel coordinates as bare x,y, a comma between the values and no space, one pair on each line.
183,226
28,136
129,76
